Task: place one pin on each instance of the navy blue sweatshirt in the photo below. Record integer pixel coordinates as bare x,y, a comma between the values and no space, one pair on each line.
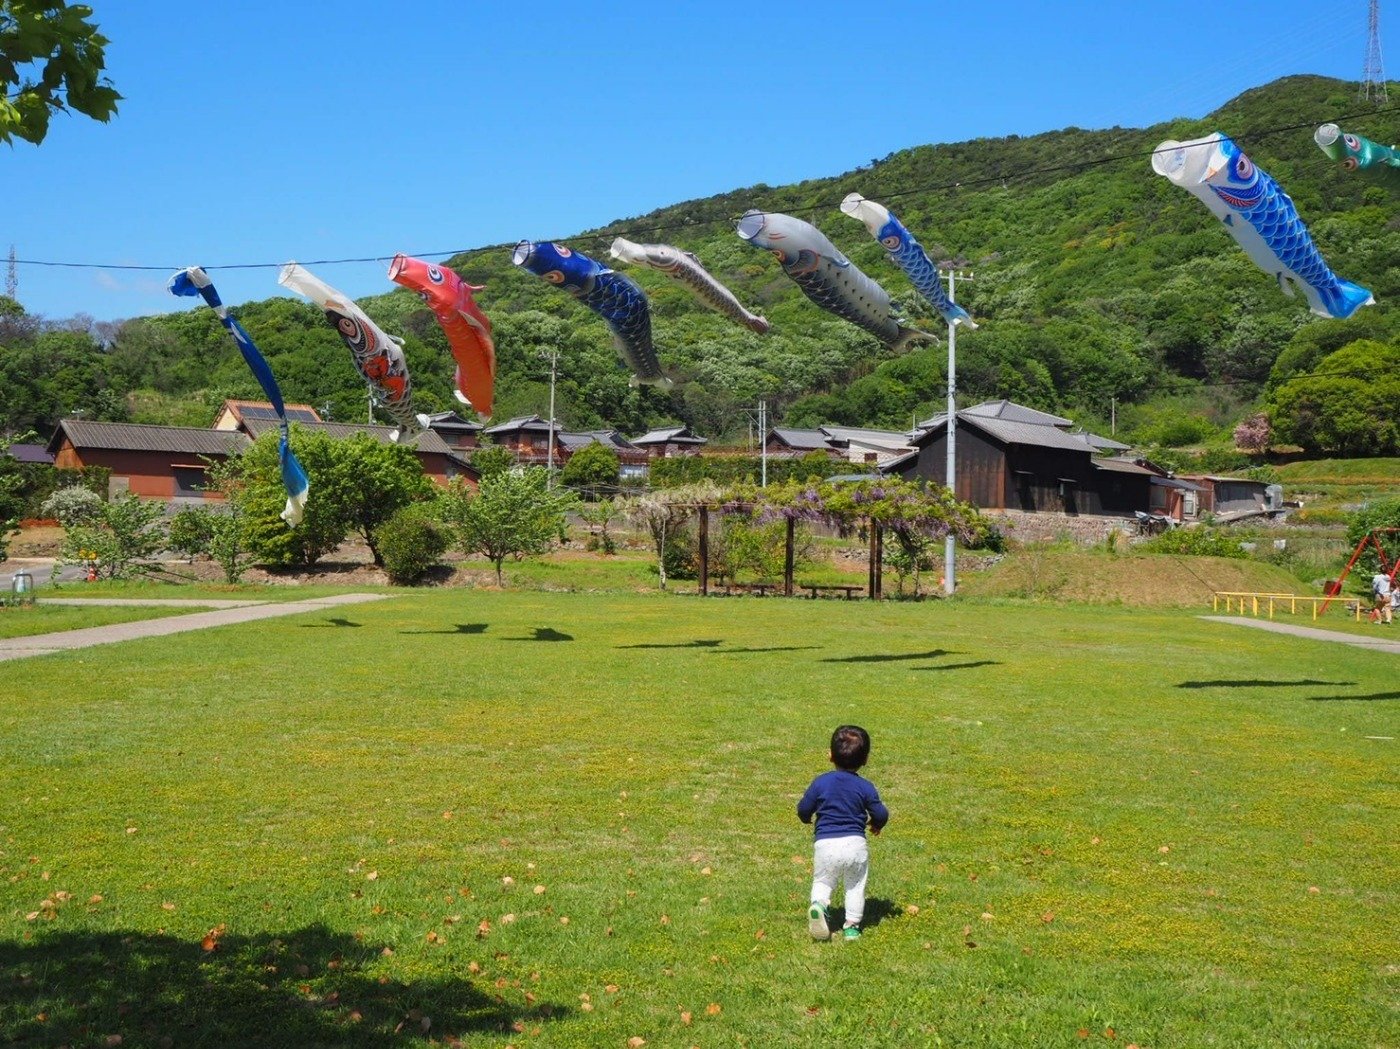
842,801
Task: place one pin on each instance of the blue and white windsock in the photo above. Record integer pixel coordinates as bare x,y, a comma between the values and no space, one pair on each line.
194,281
906,253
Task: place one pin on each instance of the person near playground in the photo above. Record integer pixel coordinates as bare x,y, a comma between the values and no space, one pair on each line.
1382,587
843,804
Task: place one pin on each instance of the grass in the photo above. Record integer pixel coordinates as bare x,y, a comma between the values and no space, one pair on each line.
41,618
566,819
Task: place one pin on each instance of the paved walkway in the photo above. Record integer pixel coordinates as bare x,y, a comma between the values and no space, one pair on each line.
1380,643
226,612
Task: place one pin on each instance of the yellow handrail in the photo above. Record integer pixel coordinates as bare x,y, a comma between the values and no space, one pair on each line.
1271,601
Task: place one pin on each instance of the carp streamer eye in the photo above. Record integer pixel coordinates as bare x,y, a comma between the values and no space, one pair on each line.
564,252
1244,167
891,242
435,274
554,277
1353,143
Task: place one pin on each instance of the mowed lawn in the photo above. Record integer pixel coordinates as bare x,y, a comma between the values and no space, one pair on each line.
495,818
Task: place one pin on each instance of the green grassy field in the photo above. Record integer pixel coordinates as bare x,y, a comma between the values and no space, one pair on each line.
41,618
567,819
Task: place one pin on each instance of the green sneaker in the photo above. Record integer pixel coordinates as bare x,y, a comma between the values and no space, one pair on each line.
852,932
816,922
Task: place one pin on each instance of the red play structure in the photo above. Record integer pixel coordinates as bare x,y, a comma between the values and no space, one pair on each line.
1388,566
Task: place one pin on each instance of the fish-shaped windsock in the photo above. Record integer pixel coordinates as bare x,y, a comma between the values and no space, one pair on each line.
907,253
466,327
378,357
615,298
194,281
826,276
1380,163
686,268
1260,217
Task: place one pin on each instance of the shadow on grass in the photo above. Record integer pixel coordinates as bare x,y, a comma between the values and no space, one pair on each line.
932,654
310,986
1337,699
1254,683
460,628
775,648
544,633
337,621
682,644
963,666
877,909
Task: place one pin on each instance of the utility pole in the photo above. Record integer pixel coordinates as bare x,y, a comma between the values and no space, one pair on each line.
12,277
763,443
950,472
552,356
1113,416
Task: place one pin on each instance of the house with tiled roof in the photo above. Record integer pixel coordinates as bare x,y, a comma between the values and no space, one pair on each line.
669,442
233,413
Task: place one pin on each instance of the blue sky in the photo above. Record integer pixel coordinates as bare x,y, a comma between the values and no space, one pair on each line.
257,132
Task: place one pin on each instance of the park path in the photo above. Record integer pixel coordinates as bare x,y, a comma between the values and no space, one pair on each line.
224,613
1375,644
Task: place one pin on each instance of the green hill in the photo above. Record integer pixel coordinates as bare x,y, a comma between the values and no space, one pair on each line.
1095,281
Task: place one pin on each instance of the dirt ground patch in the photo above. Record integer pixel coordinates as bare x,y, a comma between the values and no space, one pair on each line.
36,541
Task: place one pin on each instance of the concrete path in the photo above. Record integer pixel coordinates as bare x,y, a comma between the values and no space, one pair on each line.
245,612
1382,642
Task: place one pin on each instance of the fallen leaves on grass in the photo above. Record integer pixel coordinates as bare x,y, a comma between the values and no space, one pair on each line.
713,1009
211,938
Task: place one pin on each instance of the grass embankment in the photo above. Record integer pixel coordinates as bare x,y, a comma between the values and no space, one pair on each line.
561,819
1330,488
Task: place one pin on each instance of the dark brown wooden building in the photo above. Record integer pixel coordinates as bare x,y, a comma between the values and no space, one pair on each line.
154,462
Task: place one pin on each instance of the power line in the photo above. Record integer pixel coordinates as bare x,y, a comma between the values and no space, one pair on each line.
633,231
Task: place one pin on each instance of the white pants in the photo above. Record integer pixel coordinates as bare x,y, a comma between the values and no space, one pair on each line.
846,860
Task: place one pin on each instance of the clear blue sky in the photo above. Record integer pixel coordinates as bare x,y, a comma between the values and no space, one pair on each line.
257,132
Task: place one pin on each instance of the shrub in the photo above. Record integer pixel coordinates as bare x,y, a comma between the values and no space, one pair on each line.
73,506
191,529
1198,542
411,542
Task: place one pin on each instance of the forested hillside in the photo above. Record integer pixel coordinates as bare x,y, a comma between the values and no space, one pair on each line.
1094,283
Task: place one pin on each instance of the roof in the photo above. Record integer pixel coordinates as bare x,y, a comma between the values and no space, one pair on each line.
522,422
1174,482
427,441
1093,440
1036,434
30,453
1122,466
878,438
898,463
814,440
1010,411
1226,480
450,420
297,413
670,435
607,438
139,437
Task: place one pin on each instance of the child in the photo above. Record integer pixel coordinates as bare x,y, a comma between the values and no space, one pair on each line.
843,803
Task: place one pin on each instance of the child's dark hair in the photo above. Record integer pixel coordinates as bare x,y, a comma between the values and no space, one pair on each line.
850,747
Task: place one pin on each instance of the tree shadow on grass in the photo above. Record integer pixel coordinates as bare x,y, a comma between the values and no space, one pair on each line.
1372,696
307,987
1256,683
891,658
682,644
460,628
963,666
337,621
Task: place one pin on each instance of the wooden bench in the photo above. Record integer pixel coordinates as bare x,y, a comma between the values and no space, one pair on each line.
850,590
761,589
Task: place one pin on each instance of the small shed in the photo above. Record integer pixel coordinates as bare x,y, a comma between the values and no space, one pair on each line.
670,442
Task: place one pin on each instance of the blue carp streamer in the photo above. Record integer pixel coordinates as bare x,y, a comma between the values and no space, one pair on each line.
906,253
194,281
1262,219
615,298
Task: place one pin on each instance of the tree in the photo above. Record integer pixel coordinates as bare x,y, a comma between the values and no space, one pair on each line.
492,459
592,467
1253,434
664,512
51,59
255,485
127,531
376,481
513,515
1380,513
1347,407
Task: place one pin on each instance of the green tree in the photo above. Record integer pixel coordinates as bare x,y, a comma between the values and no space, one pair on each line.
129,530
1347,407
664,512
592,467
1380,513
515,514
376,480
257,489
492,459
413,540
51,59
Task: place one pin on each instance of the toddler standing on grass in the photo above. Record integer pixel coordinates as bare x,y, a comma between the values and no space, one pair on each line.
843,804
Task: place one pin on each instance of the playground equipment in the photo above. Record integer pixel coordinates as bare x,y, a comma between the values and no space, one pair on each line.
1388,565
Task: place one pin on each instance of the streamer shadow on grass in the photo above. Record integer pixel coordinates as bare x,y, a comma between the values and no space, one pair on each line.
309,986
460,629
891,657
1371,696
1260,683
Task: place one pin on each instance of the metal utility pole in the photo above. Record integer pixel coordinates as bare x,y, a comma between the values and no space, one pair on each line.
1373,87
12,277
553,357
763,443
950,473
